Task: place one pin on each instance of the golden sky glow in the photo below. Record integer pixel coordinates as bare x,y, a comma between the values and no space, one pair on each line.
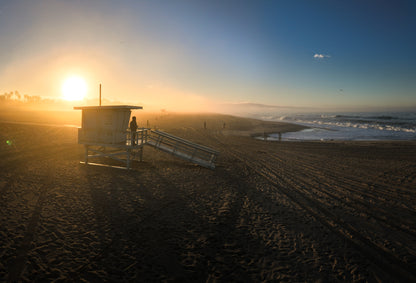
181,55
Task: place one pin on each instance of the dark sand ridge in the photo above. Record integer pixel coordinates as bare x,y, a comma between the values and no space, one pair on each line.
270,211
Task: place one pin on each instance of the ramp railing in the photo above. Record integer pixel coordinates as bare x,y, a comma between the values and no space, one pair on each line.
140,137
182,148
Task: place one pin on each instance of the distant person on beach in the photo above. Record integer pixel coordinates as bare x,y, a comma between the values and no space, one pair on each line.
133,129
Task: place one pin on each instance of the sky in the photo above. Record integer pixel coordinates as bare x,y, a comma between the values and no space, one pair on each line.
202,55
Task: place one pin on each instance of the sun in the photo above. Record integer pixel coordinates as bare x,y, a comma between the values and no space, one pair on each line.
74,88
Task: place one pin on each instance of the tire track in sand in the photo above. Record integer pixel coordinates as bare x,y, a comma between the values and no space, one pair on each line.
388,263
18,263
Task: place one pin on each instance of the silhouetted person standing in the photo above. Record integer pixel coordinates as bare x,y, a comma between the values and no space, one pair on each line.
133,129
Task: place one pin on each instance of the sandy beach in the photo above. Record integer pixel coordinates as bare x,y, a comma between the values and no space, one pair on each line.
269,211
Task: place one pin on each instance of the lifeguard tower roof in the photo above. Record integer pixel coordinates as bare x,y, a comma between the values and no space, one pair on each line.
108,107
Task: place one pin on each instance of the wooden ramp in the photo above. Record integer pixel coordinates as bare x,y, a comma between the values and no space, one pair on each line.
181,148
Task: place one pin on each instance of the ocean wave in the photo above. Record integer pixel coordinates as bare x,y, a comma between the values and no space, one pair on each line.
328,116
382,117
400,125
345,124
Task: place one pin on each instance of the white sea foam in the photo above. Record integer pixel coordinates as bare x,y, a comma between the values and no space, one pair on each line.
353,126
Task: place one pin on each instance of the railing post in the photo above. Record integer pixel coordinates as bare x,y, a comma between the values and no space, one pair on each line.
193,153
128,159
142,135
159,140
141,153
213,157
174,147
86,154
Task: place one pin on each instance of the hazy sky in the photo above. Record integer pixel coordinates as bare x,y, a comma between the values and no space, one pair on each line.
195,54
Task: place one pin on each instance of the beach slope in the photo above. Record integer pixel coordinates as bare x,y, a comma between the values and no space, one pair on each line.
270,211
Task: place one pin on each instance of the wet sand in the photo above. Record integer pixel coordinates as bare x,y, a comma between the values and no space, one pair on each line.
270,211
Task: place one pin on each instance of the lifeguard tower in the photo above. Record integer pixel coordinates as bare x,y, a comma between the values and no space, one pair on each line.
105,134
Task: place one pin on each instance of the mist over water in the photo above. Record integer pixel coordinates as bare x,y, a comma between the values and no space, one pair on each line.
350,126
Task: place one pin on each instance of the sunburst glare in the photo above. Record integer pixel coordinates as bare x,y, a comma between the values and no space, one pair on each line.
74,88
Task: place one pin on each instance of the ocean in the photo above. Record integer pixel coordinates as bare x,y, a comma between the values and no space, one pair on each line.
368,126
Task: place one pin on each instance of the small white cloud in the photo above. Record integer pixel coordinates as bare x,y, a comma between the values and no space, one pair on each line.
321,56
